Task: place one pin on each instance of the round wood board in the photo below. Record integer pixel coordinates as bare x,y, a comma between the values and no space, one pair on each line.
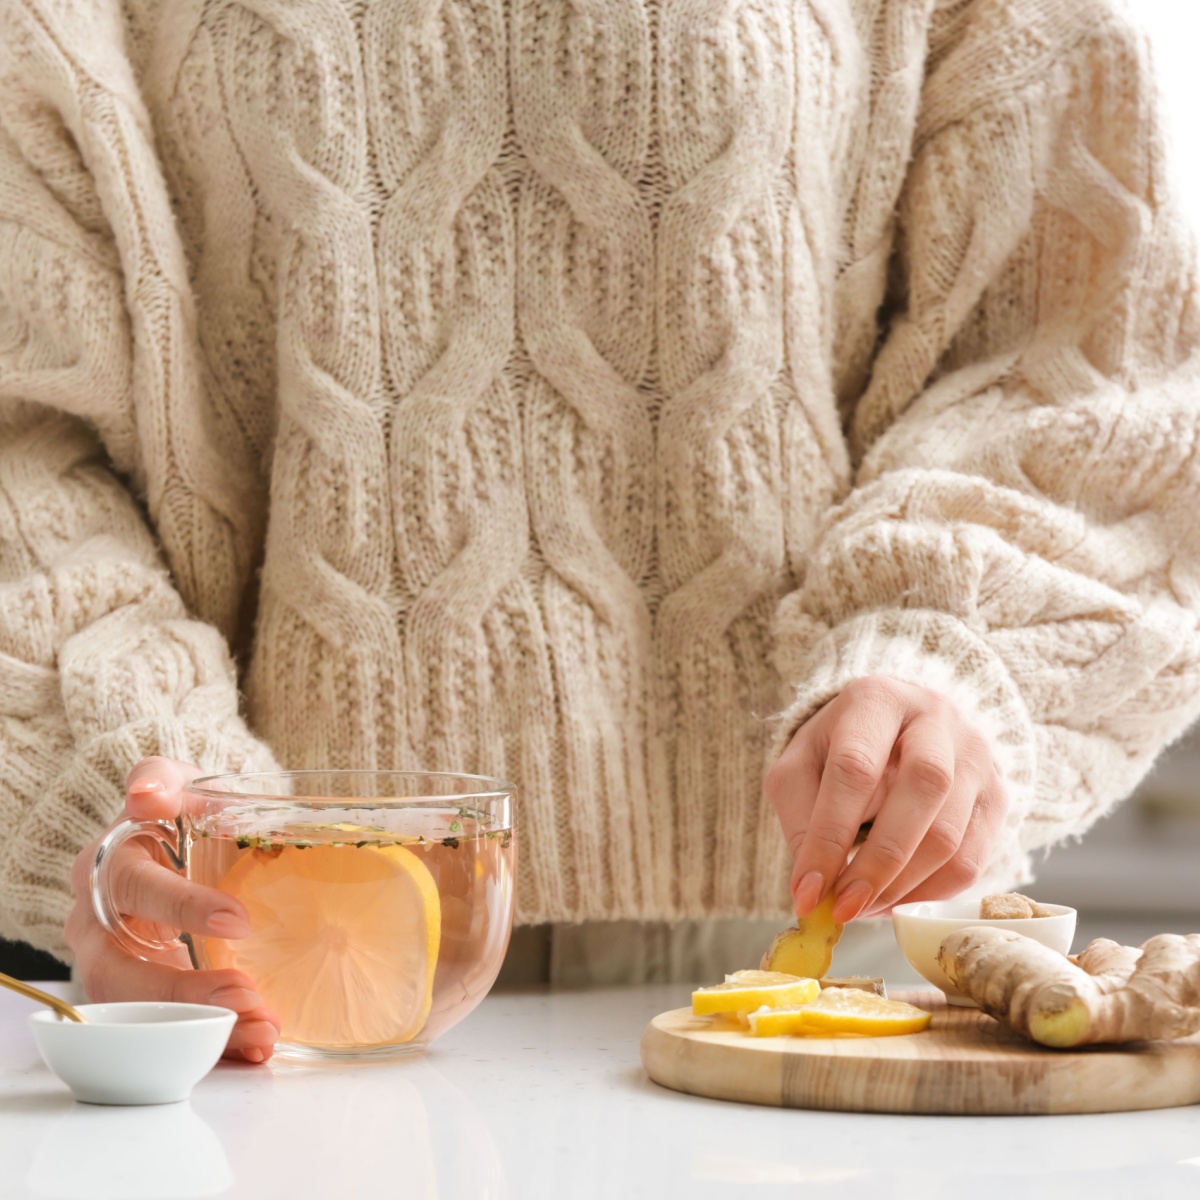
965,1062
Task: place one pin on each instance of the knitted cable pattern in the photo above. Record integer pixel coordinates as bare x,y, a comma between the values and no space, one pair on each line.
719,512
585,313
298,90
477,675
592,380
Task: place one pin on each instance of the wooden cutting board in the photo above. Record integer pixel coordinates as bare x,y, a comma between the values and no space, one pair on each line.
965,1062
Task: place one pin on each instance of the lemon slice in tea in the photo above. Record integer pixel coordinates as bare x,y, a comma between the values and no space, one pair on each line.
344,940
744,991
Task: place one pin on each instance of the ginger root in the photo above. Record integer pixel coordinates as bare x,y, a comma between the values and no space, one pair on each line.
1108,993
806,950
1011,906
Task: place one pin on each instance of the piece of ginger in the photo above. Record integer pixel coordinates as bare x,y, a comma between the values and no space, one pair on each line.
806,950
859,983
1012,906
1108,993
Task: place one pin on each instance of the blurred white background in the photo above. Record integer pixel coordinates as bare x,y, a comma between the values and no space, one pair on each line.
1138,872
1174,28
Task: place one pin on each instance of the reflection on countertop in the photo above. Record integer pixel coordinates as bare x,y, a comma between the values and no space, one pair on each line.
167,1153
536,1096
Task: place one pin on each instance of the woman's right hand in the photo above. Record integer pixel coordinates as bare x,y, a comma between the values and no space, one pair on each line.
146,890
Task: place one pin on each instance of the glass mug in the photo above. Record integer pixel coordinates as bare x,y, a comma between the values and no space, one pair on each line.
380,902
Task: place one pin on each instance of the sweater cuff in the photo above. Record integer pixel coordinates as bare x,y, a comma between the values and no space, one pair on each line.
927,649
85,793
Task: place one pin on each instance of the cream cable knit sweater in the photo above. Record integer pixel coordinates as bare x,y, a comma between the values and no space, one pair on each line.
516,341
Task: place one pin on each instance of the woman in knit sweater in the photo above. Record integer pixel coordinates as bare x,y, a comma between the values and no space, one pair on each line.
634,398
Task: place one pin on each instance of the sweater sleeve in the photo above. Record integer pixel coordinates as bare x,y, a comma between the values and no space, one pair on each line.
1023,532
100,662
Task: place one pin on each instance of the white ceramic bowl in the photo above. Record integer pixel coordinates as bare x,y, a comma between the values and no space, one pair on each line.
921,926
133,1053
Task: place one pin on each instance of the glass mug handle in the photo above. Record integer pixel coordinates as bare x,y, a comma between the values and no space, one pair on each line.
168,835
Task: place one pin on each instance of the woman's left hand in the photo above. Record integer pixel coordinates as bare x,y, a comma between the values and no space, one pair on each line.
903,758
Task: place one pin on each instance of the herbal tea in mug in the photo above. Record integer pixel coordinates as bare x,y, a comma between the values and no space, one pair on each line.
380,903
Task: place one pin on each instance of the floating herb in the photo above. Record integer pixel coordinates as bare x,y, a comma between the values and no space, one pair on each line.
455,826
451,843
477,814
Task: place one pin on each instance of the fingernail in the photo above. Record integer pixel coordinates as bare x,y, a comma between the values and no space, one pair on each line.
851,901
253,1054
260,1029
269,1018
239,999
808,893
226,924
145,785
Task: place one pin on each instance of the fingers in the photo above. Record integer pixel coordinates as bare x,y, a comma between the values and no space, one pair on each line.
81,869
858,737
903,758
917,822
939,845
962,868
252,1040
791,787
109,974
154,788
144,888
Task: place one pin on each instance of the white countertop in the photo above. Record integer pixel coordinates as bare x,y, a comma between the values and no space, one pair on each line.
541,1096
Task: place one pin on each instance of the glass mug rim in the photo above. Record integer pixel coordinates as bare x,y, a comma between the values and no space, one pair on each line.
171,835
499,789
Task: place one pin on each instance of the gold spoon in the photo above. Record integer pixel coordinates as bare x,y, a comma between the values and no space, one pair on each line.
60,1006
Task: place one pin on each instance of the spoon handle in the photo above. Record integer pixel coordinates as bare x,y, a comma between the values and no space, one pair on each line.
60,1006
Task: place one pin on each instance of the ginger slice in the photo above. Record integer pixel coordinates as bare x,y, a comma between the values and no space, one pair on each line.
807,950
859,983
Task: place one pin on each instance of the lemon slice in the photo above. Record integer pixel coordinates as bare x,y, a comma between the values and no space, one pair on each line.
841,1011
762,978
744,991
344,940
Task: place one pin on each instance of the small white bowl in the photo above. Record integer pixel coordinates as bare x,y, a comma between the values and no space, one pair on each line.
133,1053
920,927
